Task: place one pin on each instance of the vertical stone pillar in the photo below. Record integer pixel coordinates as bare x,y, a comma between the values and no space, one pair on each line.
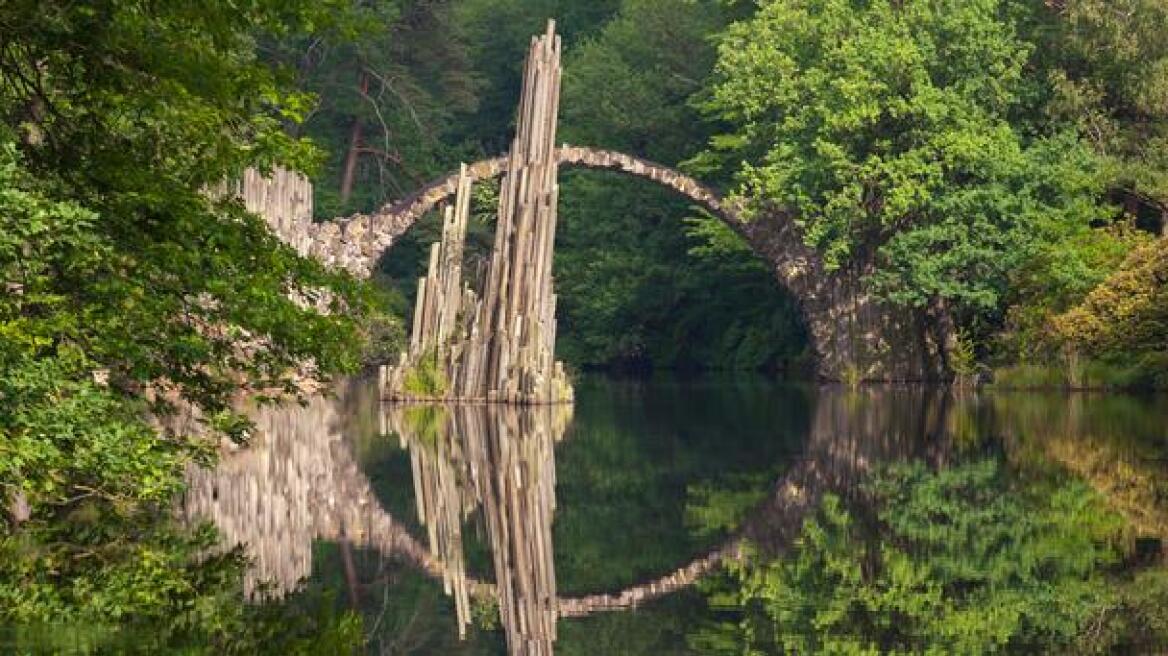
515,325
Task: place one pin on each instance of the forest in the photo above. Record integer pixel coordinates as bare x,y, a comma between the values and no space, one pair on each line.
1000,163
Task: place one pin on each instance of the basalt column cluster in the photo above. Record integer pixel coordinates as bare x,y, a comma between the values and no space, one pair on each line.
505,352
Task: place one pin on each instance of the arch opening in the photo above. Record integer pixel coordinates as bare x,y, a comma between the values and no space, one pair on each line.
670,309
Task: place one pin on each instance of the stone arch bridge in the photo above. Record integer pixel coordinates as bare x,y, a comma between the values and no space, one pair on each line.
853,335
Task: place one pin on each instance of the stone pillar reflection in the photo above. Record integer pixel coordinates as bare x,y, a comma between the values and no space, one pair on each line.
499,459
294,483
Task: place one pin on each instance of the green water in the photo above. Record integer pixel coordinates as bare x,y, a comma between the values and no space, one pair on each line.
650,474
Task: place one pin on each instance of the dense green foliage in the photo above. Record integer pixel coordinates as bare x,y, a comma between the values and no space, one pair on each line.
1108,65
634,294
1105,68
885,128
129,293
962,560
639,284
389,95
498,34
124,120
957,153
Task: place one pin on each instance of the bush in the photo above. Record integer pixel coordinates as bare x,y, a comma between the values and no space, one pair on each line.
426,378
384,338
1123,322
962,358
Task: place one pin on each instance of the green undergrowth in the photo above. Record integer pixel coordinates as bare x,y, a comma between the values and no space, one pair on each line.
1147,372
426,378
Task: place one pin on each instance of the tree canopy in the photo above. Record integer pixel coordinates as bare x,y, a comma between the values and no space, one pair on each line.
889,131
131,291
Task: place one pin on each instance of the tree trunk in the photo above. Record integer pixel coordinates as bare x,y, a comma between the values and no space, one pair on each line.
355,138
351,581
18,509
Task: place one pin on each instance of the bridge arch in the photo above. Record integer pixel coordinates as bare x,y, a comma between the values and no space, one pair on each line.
853,334
356,242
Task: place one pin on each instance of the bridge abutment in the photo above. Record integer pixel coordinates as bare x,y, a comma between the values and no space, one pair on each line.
855,336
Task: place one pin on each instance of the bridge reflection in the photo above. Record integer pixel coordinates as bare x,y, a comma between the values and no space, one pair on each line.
296,482
299,482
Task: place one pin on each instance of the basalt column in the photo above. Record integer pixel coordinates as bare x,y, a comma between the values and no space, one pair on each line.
499,459
500,348
439,336
512,451
510,356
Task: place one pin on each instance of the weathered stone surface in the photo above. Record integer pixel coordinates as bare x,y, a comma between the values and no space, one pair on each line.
854,334
295,483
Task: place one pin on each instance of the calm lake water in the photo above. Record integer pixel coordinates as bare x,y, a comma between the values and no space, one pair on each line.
455,530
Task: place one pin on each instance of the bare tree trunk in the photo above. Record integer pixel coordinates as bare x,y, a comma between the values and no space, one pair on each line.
18,509
355,137
350,574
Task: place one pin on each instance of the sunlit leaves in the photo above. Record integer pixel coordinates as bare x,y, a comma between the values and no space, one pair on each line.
1128,312
889,129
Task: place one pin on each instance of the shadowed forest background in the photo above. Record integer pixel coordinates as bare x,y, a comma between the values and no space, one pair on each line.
639,284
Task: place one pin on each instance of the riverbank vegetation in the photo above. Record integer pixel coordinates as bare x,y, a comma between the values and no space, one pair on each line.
132,301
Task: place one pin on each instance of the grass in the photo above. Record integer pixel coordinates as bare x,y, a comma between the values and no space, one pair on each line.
1081,374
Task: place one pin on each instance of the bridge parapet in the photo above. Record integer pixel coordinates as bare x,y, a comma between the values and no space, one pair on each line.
355,243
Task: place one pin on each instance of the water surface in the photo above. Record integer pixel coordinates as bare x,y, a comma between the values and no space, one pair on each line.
470,529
